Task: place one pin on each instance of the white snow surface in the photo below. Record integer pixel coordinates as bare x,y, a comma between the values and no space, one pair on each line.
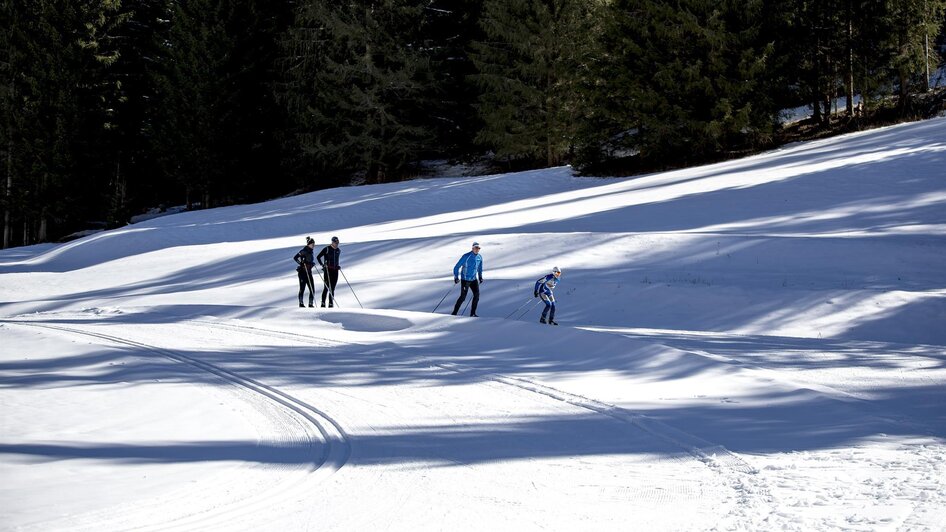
751,345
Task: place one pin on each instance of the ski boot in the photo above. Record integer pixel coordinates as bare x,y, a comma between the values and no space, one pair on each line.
542,319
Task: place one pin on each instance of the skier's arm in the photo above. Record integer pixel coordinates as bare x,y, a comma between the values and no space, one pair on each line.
456,269
298,258
321,254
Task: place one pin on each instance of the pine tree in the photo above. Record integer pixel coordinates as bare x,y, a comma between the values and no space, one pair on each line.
358,75
913,23
195,94
56,51
451,28
10,63
681,81
529,65
128,108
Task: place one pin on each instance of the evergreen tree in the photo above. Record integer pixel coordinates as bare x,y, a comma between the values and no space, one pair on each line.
217,130
358,78
128,110
55,56
913,23
452,27
685,80
529,64
11,61
194,93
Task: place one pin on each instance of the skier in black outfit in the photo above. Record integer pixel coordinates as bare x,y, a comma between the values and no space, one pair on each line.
328,259
304,258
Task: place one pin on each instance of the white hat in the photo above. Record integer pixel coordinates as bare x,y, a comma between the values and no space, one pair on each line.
556,270
476,244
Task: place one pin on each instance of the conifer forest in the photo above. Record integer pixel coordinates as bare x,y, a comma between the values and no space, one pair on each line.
112,107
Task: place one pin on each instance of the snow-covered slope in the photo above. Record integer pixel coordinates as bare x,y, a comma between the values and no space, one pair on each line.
756,344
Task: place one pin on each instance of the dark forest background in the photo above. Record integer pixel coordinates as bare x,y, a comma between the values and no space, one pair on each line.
111,107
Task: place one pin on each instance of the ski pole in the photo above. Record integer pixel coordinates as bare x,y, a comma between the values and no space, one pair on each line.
517,308
528,310
328,284
442,298
310,281
350,288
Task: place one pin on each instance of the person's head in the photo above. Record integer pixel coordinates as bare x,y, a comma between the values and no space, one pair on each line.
334,241
556,272
476,247
309,241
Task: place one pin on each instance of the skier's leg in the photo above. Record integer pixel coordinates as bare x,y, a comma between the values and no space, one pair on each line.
463,289
475,287
333,279
302,284
311,283
325,282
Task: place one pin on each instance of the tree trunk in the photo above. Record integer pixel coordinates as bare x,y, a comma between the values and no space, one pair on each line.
8,191
41,232
849,74
8,194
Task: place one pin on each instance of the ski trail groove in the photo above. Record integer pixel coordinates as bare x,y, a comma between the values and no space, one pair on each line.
752,492
336,450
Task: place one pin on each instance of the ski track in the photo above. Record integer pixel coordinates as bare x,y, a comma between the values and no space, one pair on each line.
330,438
753,508
753,489
928,466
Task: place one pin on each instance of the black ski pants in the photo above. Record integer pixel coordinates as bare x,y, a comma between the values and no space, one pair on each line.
330,277
306,280
473,286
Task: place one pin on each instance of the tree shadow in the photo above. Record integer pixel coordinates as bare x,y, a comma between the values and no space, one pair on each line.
784,419
285,453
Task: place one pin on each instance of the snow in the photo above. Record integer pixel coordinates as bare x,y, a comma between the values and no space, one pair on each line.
752,345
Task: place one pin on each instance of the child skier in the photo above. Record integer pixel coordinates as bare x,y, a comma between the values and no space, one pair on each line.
543,287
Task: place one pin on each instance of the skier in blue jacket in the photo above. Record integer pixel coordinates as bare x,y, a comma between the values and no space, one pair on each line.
543,288
470,269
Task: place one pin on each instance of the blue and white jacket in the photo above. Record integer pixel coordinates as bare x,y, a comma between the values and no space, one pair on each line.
471,265
546,284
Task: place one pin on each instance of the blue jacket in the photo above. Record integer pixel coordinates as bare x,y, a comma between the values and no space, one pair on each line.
546,284
472,266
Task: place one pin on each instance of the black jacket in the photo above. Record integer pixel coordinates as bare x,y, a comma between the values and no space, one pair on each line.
328,257
304,258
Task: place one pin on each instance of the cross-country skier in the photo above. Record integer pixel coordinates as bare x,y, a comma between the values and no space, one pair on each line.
543,288
470,269
330,257
304,259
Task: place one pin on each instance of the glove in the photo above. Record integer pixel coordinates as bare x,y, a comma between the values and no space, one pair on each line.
481,280
456,280
535,294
